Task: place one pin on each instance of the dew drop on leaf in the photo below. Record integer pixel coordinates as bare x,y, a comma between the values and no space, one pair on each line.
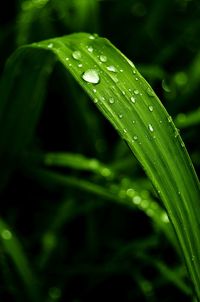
111,68
150,128
111,100
76,55
169,119
91,76
151,108
133,99
150,92
103,58
50,45
90,49
136,91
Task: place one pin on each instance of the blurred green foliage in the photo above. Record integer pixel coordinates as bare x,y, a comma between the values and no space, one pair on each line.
78,229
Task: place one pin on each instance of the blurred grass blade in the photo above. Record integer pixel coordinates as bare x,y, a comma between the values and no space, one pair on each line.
189,119
13,248
129,103
69,160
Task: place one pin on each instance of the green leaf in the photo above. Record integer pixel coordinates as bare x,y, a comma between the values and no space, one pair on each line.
129,103
13,248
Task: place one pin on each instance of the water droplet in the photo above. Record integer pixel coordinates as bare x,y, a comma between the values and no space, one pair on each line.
125,131
169,119
135,138
103,58
111,100
80,65
121,70
150,91
150,128
94,90
91,76
182,144
120,115
176,133
6,234
50,45
133,122
76,55
130,63
67,59
111,68
133,99
95,100
151,108
134,72
91,37
90,49
136,79
137,199
136,91
123,92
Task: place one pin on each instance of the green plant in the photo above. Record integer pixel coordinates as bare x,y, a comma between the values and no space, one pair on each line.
132,107
46,160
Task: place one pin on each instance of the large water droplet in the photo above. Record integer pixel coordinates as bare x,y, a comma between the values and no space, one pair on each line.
103,58
91,76
136,91
150,128
111,68
76,55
